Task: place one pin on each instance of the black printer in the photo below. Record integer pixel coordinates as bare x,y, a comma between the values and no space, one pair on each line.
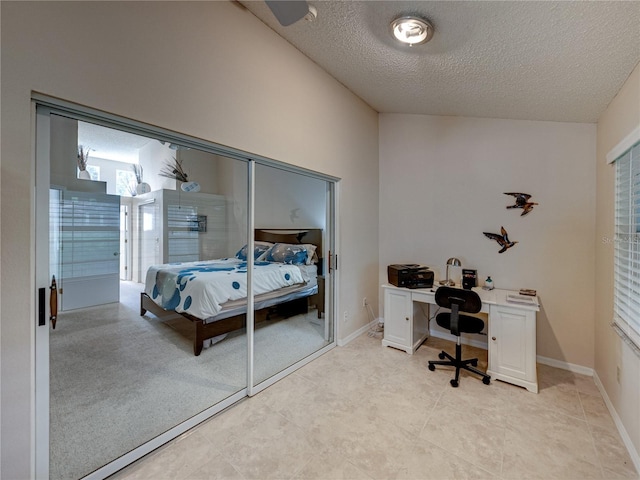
410,275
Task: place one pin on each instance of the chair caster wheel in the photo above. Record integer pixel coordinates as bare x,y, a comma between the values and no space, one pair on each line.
432,368
441,355
454,384
486,380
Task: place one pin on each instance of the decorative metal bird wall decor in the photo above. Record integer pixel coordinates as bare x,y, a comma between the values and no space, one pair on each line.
502,239
522,201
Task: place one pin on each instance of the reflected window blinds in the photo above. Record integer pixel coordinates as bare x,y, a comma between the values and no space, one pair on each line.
89,234
183,239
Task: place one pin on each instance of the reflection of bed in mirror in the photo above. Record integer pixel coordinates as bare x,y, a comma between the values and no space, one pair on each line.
212,293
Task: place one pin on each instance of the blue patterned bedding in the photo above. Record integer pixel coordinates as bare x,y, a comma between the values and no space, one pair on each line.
200,288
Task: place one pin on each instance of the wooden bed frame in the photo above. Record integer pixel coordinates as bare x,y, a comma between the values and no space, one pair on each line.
205,331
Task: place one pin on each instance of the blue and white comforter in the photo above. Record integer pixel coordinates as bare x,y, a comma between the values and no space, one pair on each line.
200,288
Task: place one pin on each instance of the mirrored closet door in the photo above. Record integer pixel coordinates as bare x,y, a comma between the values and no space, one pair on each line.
130,360
291,229
134,351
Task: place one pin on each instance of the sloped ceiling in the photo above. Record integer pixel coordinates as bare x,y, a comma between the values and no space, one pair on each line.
537,60
110,144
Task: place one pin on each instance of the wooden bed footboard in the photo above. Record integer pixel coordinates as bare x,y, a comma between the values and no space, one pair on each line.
205,331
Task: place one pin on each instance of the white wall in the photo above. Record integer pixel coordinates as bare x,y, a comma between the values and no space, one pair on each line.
64,166
201,167
180,66
289,200
152,157
442,184
619,120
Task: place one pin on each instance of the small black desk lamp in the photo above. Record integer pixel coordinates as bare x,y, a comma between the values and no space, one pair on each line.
452,262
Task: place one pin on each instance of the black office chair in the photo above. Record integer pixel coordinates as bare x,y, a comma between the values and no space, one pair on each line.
459,300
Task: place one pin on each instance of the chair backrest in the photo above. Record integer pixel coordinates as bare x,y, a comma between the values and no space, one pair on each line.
467,300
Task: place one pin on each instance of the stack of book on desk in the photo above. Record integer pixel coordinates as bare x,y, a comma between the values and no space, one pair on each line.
522,299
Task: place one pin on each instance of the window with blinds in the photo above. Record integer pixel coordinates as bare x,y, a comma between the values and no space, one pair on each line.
183,240
627,246
89,234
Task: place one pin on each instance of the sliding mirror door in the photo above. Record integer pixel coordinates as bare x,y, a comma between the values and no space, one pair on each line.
140,356
143,252
292,233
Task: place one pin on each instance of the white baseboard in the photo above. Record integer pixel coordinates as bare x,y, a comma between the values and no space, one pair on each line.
357,333
572,367
635,457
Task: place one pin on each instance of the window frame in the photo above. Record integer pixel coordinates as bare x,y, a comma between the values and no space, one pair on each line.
626,252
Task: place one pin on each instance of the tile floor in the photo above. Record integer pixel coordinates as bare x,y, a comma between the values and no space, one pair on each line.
364,411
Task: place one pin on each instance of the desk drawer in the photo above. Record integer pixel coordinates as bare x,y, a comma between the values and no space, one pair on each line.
423,297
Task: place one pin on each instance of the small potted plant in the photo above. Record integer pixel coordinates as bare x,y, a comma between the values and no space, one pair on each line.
141,187
83,159
173,169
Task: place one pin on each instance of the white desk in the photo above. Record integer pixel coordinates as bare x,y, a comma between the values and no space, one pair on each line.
512,330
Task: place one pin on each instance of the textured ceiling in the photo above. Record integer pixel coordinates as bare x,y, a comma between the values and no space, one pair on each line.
536,60
110,144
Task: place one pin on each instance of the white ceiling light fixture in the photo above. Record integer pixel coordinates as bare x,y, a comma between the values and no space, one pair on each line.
411,30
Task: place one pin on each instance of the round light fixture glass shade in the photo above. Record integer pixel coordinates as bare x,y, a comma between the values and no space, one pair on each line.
411,30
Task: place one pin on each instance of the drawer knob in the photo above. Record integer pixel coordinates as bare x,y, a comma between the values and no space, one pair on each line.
406,318
493,338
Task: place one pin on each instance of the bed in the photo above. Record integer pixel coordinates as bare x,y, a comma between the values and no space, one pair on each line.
212,294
